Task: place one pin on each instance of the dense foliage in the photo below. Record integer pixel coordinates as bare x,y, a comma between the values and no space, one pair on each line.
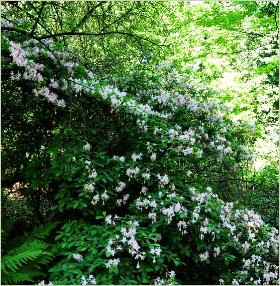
137,165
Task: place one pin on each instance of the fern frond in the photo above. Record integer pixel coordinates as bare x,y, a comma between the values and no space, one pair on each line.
19,277
43,230
23,263
45,258
30,245
14,262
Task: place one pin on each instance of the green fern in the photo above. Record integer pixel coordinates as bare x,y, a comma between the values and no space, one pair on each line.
43,231
24,262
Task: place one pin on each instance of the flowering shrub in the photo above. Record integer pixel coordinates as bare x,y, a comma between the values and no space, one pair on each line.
130,163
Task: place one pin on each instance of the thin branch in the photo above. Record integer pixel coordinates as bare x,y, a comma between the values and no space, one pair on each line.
38,18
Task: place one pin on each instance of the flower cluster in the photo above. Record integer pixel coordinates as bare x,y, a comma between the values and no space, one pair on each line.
33,71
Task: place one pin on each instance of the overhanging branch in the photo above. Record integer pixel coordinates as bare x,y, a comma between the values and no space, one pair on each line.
97,34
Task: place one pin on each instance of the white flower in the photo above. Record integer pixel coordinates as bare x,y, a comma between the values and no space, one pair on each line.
61,103
182,225
251,234
87,162
136,157
235,282
93,174
152,216
146,176
177,207
105,196
132,172
187,151
53,83
90,187
120,186
189,173
144,190
204,256
192,190
111,251
172,195
227,150
87,147
156,251
153,156
92,279
221,281
84,280
209,189
217,251
153,204
163,180
109,220
159,281
246,246
95,200
203,230
125,198
78,257
206,222
112,263
169,212
171,274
